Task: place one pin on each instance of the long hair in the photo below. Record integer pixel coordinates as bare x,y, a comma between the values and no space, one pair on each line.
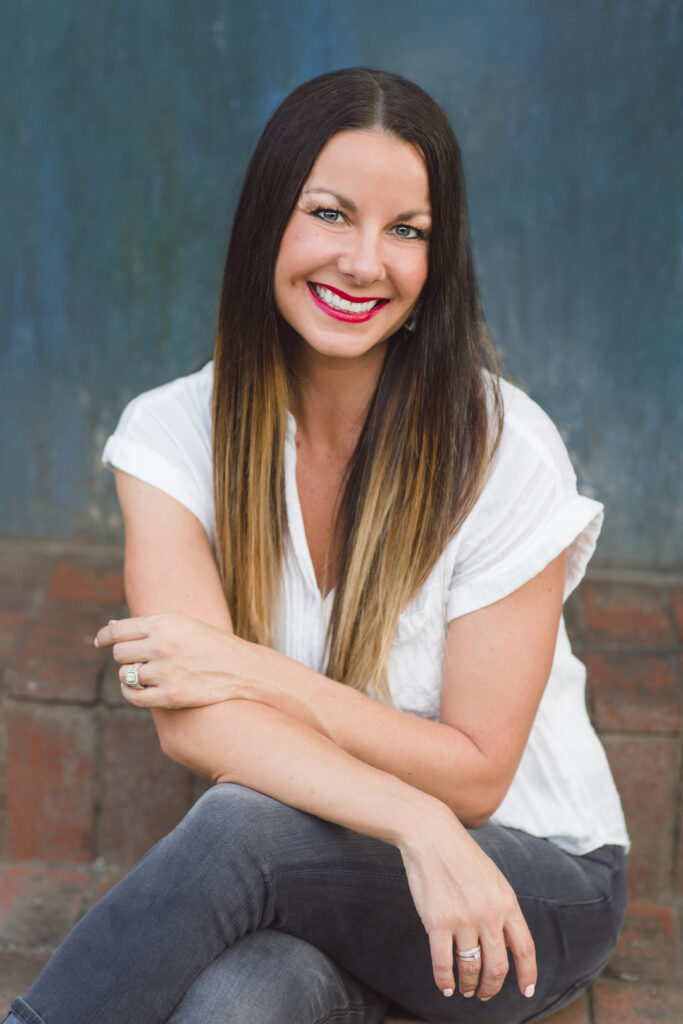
434,419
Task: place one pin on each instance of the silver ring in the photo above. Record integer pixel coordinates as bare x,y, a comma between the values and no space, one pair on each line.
469,954
132,676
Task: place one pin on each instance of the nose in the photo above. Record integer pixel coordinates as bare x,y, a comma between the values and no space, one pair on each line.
361,259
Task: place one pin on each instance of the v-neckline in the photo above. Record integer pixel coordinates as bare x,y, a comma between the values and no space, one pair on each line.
295,517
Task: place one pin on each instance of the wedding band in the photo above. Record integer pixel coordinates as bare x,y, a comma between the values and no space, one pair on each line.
132,676
469,954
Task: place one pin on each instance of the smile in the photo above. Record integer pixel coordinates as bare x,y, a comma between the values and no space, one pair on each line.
342,306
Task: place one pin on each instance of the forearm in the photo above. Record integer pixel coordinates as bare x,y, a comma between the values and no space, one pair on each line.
266,750
433,757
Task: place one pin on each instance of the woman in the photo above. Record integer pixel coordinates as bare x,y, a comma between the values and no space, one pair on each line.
383,508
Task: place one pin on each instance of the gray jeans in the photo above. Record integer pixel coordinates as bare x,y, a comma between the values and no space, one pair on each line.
251,912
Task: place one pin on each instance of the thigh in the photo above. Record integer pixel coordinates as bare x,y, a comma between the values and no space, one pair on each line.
348,894
273,978
574,906
241,862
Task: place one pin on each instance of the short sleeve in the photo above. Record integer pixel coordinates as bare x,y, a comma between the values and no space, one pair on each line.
527,513
164,438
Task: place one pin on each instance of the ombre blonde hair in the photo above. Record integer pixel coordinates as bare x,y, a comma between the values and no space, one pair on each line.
434,420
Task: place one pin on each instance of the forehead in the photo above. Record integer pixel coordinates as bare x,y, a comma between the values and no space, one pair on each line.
371,161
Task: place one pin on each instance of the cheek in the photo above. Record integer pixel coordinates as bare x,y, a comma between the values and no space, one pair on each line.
300,250
415,275
284,257
293,267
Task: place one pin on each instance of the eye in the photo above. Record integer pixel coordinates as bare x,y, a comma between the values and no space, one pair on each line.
408,231
328,214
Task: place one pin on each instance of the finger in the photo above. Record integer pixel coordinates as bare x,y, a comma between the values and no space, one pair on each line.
523,951
145,677
131,651
122,629
147,697
495,966
441,949
155,691
468,970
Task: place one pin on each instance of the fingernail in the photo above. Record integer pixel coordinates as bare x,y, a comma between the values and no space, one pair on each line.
447,992
112,621
485,999
96,642
468,995
529,991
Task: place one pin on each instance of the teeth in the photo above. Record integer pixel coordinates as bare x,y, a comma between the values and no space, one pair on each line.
343,305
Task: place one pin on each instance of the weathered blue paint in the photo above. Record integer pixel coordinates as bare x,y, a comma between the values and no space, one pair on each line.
125,128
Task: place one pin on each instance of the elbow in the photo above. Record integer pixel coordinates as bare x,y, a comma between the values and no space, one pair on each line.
480,803
168,746
182,740
475,817
169,734
473,820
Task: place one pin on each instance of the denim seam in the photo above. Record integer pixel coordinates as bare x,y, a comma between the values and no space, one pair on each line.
564,903
25,1012
339,1012
311,872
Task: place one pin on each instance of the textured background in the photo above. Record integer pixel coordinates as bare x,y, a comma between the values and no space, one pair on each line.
125,127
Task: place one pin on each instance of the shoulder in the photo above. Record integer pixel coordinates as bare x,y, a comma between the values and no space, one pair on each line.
527,512
164,438
529,434
188,397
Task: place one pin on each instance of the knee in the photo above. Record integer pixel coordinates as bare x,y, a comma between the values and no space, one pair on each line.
267,976
229,813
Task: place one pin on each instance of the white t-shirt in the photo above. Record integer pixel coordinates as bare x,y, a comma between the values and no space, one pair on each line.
527,513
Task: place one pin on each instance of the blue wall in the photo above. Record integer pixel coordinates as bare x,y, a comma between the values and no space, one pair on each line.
125,126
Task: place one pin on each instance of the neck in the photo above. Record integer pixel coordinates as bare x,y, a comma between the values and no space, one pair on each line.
332,399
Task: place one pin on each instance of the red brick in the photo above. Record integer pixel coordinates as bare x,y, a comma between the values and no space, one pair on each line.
18,971
679,860
110,689
144,795
633,692
646,771
576,1012
199,787
618,1002
105,882
648,947
24,572
88,577
574,617
50,784
632,613
38,906
11,626
677,603
57,659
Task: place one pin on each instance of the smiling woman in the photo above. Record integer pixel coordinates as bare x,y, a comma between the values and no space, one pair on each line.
361,224
348,542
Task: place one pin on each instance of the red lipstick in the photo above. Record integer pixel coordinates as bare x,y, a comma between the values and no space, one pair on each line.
339,314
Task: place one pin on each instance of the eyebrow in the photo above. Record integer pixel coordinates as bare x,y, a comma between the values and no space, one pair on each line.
351,207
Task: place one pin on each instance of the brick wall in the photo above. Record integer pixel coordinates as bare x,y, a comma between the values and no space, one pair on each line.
84,787
85,790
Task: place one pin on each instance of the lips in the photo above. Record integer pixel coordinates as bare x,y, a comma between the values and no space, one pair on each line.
341,306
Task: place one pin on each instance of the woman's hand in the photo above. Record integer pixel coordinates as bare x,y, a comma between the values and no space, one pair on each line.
463,899
185,663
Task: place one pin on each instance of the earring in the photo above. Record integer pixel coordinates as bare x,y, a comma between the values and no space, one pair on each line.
411,322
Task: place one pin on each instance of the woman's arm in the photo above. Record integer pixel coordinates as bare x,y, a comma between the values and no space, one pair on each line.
496,658
496,666
458,891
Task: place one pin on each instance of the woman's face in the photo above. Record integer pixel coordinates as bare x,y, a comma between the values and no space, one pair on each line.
353,258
